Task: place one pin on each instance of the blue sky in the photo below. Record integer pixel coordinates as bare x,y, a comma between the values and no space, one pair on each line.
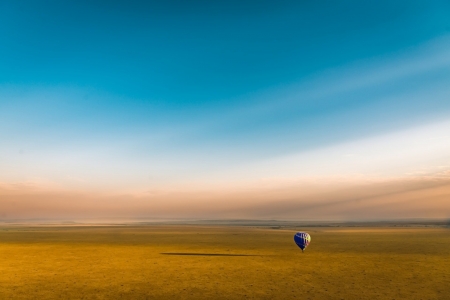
138,95
182,55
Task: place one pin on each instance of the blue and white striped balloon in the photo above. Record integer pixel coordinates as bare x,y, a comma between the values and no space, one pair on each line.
302,239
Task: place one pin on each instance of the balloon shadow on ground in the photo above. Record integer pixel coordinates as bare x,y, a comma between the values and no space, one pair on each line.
204,254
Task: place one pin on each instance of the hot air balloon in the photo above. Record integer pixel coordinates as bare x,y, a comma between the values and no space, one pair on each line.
302,239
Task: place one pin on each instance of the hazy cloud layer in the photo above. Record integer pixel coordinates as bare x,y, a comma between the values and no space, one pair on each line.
427,197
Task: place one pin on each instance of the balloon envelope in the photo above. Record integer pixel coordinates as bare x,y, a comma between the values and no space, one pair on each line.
302,239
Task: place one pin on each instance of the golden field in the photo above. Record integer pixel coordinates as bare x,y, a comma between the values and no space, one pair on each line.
223,262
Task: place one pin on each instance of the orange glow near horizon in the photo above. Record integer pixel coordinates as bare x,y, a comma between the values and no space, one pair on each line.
425,197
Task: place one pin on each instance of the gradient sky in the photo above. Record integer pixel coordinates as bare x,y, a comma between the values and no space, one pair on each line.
224,109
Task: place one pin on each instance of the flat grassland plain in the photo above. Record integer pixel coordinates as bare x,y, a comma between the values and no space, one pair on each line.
222,262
